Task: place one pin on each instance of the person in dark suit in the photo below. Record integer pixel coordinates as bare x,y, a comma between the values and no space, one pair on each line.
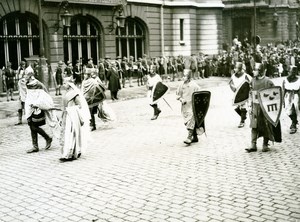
113,81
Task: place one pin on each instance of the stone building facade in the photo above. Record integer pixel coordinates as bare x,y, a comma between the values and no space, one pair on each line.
275,20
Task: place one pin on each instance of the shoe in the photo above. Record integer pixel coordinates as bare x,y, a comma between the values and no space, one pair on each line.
93,128
252,149
265,148
12,99
195,140
18,124
154,117
241,125
48,144
188,141
33,150
293,130
64,160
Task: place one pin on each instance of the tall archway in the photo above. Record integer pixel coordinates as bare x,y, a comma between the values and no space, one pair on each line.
131,40
82,40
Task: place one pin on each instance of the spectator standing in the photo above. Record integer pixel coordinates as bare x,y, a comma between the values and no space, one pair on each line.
9,75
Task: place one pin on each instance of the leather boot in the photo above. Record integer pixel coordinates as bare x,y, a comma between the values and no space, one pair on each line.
265,145
253,147
157,111
189,138
195,137
92,123
35,147
20,113
243,114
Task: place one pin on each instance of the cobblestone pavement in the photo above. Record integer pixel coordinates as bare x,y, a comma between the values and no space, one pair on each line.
140,170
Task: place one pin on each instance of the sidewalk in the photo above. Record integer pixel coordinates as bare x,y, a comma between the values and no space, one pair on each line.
10,109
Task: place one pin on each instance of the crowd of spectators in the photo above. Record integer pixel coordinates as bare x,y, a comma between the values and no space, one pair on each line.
277,57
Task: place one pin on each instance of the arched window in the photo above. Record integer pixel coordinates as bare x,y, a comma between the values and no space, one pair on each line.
130,40
19,38
81,40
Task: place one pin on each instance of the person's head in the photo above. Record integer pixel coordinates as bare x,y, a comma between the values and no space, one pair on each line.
259,70
238,67
60,63
29,74
187,75
293,71
152,69
22,64
67,81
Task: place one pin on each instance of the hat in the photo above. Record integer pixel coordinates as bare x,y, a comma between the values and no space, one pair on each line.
118,57
124,58
60,62
107,57
22,63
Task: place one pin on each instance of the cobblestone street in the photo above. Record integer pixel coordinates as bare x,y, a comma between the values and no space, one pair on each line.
139,170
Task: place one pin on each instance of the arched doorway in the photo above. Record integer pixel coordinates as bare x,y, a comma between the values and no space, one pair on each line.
19,38
130,40
82,40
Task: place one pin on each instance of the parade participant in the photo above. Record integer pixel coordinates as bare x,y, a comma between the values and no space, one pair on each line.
9,76
22,96
90,91
152,79
58,78
101,70
184,95
237,79
21,70
77,74
113,81
291,87
260,126
130,70
38,108
75,120
68,70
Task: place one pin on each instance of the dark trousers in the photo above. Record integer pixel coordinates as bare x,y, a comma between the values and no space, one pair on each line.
114,95
35,130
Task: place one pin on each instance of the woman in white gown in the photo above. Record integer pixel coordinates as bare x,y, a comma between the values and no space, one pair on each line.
75,122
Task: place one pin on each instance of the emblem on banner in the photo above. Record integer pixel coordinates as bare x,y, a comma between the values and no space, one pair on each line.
270,100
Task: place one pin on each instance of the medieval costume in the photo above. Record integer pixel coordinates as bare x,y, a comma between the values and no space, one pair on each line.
261,127
237,79
77,74
184,95
39,109
22,96
291,86
75,120
152,79
93,92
